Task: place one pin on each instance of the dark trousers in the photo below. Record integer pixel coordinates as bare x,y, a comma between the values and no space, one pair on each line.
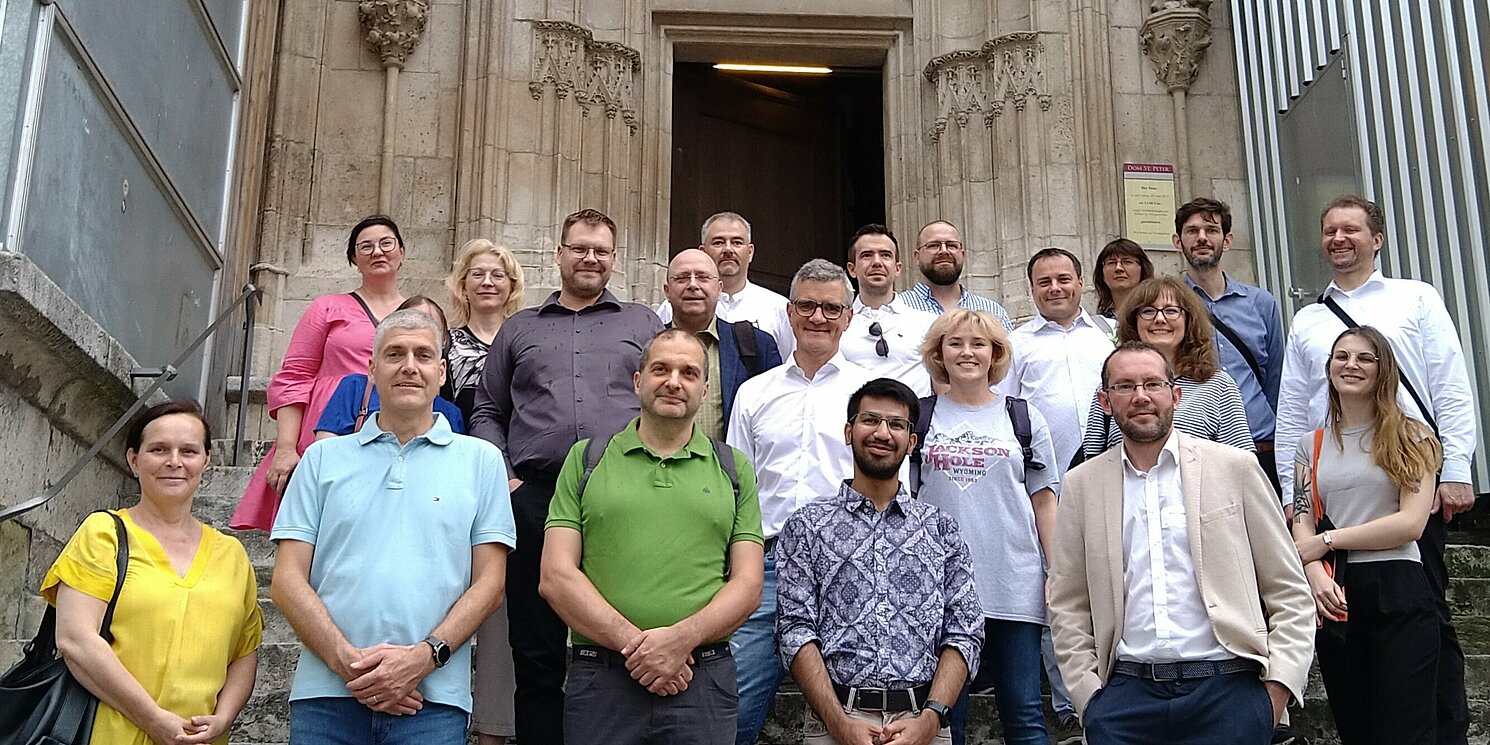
535,630
1453,707
1232,709
606,706
1380,666
1268,459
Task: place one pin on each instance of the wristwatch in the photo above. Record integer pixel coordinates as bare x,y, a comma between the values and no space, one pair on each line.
439,651
1328,541
942,712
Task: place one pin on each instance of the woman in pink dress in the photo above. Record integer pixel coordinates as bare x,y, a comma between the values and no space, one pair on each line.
333,338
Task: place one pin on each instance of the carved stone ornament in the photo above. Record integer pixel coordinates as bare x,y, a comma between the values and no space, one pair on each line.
600,74
1006,70
393,27
1175,39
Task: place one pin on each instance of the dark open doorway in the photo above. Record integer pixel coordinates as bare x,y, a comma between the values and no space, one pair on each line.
799,156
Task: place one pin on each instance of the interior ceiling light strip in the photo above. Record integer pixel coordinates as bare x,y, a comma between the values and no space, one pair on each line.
798,69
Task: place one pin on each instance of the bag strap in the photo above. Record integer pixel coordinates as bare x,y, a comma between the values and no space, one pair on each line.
726,456
595,452
365,308
744,333
361,417
1236,341
1019,416
923,426
1314,476
121,563
1102,323
1335,308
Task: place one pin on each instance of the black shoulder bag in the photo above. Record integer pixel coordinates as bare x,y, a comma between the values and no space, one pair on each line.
40,701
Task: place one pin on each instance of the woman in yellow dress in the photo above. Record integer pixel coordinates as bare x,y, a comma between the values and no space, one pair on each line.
187,627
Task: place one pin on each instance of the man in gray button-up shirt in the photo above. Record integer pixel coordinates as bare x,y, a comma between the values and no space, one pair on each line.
556,373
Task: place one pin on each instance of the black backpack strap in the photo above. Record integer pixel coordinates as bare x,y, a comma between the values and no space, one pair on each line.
923,426
1335,308
745,343
1236,341
594,451
726,456
1019,416
121,563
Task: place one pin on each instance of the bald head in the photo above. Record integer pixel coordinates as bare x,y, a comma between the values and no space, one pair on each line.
692,289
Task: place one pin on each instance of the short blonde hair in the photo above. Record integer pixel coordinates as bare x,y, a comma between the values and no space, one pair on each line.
981,324
460,307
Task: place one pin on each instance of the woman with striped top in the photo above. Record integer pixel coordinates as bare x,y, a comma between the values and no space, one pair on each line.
1162,312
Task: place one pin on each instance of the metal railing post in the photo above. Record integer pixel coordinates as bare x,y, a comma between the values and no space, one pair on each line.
248,348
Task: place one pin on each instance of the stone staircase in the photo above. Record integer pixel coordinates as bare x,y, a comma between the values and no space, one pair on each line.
265,719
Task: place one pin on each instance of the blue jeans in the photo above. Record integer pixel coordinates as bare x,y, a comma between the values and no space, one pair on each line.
1060,698
338,720
1011,660
758,669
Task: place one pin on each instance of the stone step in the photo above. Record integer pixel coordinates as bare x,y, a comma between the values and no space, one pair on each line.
1468,562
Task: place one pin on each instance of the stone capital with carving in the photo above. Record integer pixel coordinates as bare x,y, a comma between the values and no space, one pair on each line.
393,27
1007,70
599,74
1175,38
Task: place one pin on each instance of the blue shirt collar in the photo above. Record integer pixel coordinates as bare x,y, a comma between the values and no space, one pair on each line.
1233,287
438,434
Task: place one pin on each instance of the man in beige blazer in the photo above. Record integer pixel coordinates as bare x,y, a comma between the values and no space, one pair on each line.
1178,605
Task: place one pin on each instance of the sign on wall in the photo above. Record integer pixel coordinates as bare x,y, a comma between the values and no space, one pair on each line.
1149,204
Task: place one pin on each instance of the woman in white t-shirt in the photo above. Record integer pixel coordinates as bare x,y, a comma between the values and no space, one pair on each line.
973,467
1373,470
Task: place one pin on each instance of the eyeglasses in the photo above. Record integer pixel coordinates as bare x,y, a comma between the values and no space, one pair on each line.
481,275
1127,261
385,245
940,246
1361,358
881,347
601,252
687,279
1151,387
831,311
1171,313
871,420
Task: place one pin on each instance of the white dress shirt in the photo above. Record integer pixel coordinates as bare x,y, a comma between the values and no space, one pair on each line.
1164,616
791,429
1412,317
903,328
764,309
1057,370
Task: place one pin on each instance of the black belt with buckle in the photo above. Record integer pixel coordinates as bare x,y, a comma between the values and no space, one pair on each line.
883,699
701,654
1185,670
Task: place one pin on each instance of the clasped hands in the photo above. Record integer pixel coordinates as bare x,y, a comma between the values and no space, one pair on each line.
660,659
383,677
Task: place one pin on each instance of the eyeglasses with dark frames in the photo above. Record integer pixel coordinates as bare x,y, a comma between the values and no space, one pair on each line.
871,420
1151,387
831,311
601,252
1171,313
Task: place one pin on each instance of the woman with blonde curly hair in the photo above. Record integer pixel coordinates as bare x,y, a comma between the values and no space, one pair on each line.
972,465
1371,472
1165,314
486,288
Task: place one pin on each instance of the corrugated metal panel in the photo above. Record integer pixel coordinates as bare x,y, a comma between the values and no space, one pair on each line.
1417,74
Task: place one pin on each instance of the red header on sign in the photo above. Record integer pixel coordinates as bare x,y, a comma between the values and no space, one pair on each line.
1148,168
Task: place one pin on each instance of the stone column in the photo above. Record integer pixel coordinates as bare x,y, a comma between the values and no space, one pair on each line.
393,30
1175,37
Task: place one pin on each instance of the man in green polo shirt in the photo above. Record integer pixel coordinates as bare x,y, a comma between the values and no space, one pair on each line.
653,562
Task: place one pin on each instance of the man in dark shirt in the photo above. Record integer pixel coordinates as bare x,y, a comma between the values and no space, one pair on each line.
556,373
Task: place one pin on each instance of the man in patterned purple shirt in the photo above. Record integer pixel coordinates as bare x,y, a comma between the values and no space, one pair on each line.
877,617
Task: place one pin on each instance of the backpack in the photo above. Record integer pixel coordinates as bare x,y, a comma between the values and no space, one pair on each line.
749,353
1019,416
595,450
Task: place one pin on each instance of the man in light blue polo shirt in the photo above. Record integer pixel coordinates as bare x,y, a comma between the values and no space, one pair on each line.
392,549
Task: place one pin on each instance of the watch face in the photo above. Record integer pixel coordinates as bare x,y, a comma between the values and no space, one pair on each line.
443,652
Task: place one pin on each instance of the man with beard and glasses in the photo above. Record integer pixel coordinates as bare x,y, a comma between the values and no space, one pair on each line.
726,239
556,373
1249,326
939,255
886,333
653,558
879,620
1178,604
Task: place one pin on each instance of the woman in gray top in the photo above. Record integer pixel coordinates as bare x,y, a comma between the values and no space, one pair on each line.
1363,492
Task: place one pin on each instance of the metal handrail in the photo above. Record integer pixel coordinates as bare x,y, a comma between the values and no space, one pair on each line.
249,293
